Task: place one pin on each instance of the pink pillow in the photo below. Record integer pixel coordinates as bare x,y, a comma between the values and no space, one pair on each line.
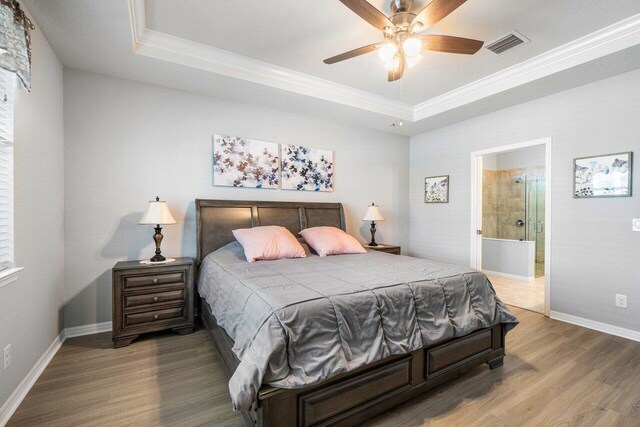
331,241
268,242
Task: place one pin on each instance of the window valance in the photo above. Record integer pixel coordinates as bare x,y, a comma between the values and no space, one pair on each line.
15,41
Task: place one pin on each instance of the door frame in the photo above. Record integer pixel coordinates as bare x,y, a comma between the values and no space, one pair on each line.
476,208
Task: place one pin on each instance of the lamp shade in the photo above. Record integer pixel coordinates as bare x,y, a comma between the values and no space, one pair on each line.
157,213
373,214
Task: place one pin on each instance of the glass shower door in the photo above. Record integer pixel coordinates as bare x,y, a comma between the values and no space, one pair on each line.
534,201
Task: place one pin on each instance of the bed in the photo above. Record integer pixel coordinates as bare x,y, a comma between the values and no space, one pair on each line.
338,339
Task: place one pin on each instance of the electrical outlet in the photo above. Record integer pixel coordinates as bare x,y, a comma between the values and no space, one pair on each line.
635,224
621,301
7,357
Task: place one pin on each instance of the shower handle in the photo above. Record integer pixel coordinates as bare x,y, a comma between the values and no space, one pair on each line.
520,223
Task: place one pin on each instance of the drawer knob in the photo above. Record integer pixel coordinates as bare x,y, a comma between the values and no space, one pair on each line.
155,316
155,298
155,281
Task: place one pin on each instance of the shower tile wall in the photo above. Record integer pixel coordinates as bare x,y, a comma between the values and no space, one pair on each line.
503,202
489,203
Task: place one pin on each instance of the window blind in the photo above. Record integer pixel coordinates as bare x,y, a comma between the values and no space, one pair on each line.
7,87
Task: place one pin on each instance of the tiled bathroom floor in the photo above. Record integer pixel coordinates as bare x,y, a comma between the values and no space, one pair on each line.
527,295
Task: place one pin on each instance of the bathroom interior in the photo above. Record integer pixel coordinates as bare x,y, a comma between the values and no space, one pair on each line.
513,225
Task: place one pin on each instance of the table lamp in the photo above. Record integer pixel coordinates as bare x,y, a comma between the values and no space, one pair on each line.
157,214
373,214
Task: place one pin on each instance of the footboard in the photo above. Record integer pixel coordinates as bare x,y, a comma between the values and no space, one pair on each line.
356,396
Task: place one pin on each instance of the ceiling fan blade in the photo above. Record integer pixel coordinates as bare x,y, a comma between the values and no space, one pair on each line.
398,70
451,44
369,13
435,11
352,53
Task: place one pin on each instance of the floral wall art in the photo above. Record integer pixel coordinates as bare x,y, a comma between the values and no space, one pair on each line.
436,189
607,175
307,169
243,162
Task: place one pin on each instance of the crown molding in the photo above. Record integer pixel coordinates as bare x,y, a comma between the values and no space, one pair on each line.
158,45
611,39
174,49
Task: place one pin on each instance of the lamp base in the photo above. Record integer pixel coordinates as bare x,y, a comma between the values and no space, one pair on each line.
373,234
157,238
158,258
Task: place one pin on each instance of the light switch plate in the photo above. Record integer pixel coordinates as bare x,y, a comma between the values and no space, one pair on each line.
635,224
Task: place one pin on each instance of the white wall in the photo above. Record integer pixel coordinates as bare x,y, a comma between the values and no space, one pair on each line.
127,142
31,308
594,252
513,257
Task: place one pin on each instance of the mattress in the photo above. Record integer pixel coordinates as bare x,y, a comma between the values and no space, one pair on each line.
297,322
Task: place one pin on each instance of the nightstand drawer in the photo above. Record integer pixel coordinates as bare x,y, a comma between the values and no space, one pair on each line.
133,282
153,316
154,298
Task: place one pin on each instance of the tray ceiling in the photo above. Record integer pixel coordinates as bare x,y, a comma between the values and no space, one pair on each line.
270,53
298,35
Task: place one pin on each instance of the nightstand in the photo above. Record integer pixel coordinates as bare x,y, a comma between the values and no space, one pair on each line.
152,297
390,249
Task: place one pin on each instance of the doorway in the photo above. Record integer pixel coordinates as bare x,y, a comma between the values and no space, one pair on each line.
511,221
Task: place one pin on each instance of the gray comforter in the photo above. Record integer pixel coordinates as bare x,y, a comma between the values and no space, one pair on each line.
297,322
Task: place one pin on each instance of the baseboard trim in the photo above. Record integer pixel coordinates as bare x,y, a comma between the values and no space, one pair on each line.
13,402
510,276
9,407
94,328
596,326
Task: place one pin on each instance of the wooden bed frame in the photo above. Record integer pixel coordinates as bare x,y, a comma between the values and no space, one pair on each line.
355,396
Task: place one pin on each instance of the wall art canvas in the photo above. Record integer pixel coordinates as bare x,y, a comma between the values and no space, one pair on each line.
243,162
306,169
436,189
608,175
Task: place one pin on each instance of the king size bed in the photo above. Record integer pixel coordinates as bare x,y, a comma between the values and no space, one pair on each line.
335,340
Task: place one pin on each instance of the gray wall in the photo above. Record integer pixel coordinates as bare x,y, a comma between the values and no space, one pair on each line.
127,142
524,158
594,252
31,308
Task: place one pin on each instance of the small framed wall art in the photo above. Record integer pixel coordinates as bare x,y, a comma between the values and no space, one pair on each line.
608,175
436,189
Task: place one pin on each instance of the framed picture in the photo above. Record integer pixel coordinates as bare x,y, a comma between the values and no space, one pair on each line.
306,169
436,189
608,175
243,162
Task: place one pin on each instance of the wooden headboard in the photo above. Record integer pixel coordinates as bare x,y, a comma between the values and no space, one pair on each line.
216,219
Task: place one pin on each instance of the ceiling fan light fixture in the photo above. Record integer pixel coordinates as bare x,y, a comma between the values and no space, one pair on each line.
412,47
387,52
417,27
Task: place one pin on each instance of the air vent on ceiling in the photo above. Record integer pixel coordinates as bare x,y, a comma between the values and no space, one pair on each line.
507,42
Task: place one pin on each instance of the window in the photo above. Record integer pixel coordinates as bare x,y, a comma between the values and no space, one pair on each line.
7,86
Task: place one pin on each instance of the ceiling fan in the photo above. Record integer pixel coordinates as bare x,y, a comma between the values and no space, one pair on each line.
400,31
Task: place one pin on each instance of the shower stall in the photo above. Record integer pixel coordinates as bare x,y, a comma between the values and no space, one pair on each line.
513,211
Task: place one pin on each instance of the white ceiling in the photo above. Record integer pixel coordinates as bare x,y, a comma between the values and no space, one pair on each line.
96,35
299,34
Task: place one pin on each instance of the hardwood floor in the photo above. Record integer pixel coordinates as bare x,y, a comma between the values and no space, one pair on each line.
554,374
